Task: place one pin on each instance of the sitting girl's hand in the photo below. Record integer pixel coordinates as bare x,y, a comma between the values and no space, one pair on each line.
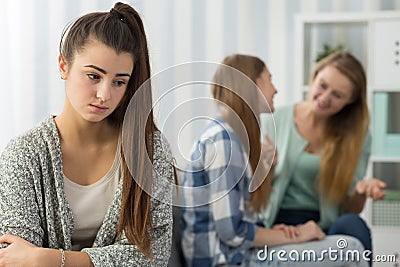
18,253
268,152
310,231
290,231
371,188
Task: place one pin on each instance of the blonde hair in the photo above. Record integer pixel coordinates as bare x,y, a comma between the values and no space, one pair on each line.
344,132
240,95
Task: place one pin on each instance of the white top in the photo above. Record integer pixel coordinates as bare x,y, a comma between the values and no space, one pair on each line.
89,204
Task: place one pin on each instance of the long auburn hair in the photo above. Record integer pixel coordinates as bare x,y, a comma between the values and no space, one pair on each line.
242,98
126,35
344,132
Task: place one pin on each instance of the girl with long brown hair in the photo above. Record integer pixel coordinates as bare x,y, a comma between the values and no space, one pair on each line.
71,189
324,147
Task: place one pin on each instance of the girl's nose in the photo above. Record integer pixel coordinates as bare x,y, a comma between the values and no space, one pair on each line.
104,93
324,98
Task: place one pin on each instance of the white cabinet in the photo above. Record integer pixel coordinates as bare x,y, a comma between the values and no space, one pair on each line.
386,54
374,38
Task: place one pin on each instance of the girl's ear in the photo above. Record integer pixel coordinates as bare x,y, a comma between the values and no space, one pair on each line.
62,67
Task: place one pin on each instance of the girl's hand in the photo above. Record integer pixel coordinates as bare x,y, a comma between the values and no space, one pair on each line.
268,152
290,231
310,231
371,188
18,253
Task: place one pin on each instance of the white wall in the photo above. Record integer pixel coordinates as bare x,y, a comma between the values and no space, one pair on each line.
178,30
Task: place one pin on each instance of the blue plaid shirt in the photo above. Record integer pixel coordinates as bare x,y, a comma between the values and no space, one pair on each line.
222,230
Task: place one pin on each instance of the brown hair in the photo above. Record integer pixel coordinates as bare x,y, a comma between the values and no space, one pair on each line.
344,132
123,31
242,98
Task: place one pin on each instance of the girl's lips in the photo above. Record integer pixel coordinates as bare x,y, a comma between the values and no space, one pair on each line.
99,109
320,105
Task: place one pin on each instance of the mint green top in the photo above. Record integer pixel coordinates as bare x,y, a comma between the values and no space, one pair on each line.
289,146
301,193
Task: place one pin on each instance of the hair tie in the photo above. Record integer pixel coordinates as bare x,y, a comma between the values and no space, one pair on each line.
117,14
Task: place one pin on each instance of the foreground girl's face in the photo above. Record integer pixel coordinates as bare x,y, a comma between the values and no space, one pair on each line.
97,80
331,91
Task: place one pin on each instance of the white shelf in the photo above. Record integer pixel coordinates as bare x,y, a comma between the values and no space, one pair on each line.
384,159
372,88
347,17
387,90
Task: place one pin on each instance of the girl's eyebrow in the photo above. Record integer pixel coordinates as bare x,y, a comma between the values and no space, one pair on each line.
105,72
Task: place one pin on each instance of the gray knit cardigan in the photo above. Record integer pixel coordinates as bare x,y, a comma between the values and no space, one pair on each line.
33,204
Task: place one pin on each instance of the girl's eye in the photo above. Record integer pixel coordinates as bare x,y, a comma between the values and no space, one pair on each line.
120,83
323,86
93,76
337,95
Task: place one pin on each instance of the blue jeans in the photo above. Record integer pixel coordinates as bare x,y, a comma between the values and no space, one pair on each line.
359,229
